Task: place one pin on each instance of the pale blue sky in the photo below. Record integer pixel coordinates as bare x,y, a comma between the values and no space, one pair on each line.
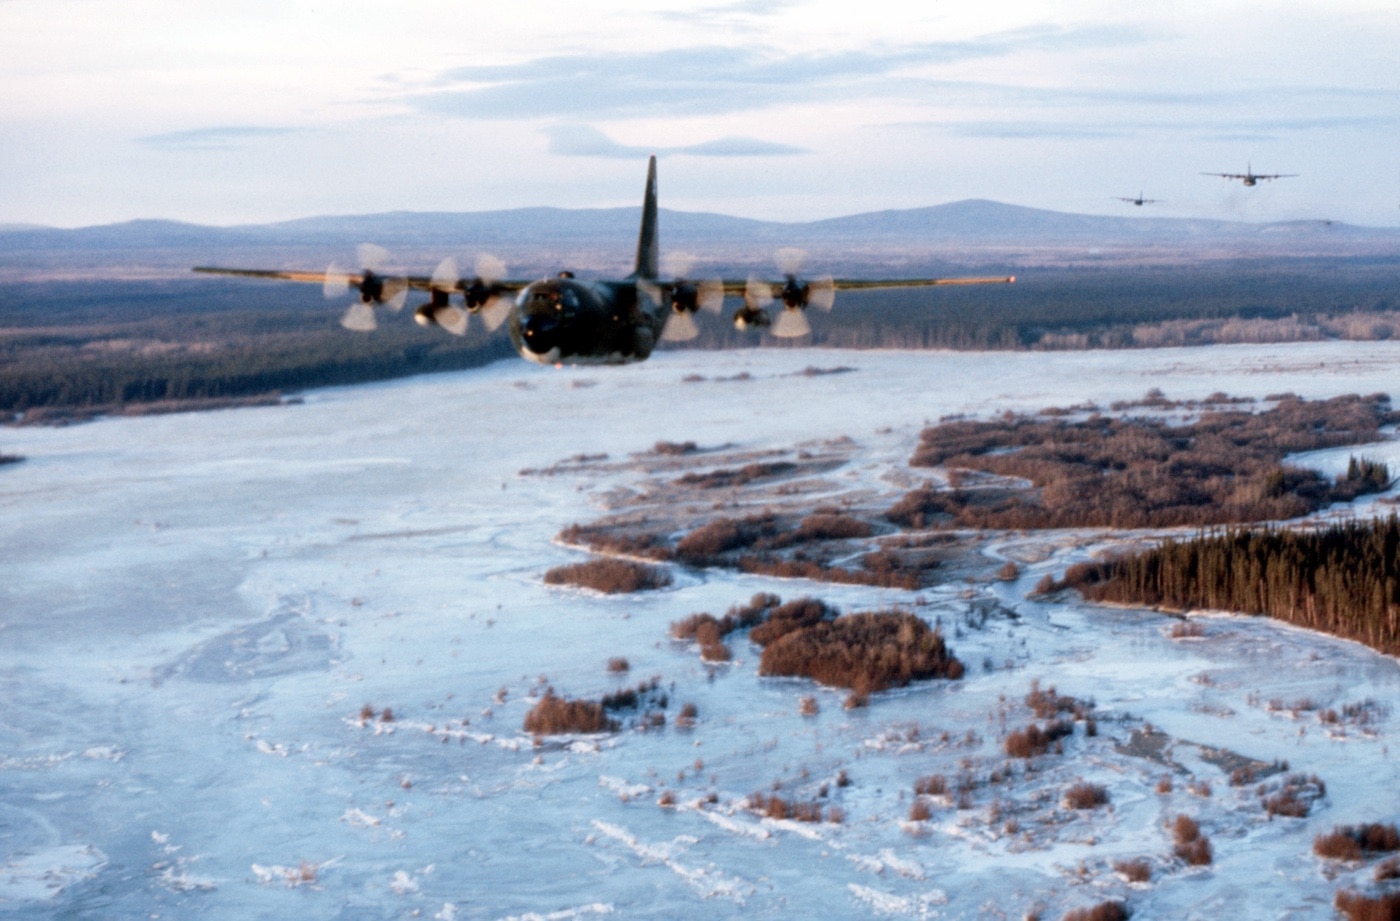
272,109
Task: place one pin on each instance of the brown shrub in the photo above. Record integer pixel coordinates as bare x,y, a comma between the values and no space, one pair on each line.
722,535
886,576
808,706
674,448
1047,704
920,811
555,715
618,664
1008,572
1197,853
1085,795
1387,869
775,807
931,785
688,715
1104,911
737,476
786,618
610,576
867,652
1352,842
1034,740
1358,907
1295,797
1164,784
1185,829
1134,871
831,526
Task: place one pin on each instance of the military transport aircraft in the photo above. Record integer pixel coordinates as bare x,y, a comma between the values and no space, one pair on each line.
565,320
1251,178
1139,201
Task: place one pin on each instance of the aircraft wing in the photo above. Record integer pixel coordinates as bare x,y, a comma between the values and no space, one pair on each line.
421,282
1278,176
737,288
1231,175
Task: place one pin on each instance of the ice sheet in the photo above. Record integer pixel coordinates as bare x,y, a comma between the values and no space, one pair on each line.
195,608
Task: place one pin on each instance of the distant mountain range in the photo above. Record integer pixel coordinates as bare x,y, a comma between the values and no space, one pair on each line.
537,240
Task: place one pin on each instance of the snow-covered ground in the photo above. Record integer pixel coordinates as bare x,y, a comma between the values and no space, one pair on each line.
195,608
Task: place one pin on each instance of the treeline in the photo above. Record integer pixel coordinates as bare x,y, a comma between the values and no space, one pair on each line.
1344,580
1225,467
1122,307
88,345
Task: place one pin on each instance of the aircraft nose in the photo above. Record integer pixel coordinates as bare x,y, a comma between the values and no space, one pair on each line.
540,332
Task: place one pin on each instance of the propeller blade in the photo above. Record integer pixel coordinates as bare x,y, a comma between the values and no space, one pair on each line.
821,293
710,295
489,268
791,324
790,259
395,293
360,317
453,319
680,327
678,264
495,312
337,283
373,257
649,290
445,276
758,293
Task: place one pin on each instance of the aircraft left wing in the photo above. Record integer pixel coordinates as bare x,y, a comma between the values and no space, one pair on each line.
738,288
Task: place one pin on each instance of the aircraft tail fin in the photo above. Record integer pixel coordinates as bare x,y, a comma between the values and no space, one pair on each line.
647,249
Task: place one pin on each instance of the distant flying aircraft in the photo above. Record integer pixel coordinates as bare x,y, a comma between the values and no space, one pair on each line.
1139,201
565,320
1251,178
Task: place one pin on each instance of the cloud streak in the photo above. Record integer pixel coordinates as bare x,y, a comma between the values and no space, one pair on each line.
587,141
222,137
712,79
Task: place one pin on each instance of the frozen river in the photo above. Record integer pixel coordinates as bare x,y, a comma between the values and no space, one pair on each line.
195,608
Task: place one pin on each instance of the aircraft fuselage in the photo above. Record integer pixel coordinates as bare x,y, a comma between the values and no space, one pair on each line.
568,321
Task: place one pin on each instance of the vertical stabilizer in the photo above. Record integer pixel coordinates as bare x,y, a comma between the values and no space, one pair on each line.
647,255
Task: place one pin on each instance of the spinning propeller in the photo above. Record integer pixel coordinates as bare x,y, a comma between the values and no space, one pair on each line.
796,296
684,297
376,287
481,295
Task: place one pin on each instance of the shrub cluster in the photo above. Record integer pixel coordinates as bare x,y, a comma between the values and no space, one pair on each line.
1034,740
555,715
1084,795
775,807
1226,467
1104,911
610,576
610,539
1191,846
1353,842
709,631
1295,797
1137,870
737,476
1358,907
866,652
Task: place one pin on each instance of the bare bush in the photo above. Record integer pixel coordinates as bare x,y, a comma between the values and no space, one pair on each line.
932,785
920,811
1104,911
1085,795
1034,740
555,715
808,706
610,576
1191,846
617,664
674,448
1138,870
1352,842
1358,907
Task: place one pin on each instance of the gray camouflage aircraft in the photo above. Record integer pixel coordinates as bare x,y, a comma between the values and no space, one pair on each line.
1251,178
566,320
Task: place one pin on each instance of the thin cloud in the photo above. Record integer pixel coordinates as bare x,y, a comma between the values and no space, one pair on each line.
714,79
586,141
223,137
